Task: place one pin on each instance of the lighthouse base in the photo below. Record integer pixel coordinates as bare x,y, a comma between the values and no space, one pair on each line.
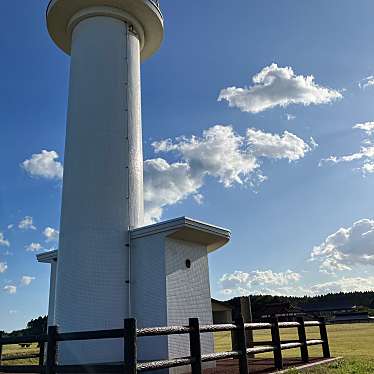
168,285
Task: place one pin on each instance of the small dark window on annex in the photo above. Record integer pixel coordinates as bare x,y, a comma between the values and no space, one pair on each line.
188,264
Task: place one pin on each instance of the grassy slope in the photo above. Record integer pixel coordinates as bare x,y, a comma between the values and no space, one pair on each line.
16,350
344,367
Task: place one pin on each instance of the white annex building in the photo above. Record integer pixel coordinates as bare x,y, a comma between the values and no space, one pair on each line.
109,266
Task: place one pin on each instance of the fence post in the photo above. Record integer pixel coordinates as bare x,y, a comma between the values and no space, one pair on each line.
324,337
195,346
276,340
241,344
302,339
41,353
51,350
1,347
130,352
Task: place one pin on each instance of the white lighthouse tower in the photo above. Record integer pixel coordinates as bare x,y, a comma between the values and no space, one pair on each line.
109,267
103,167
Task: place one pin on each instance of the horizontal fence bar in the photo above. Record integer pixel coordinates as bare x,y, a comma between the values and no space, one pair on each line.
257,326
219,356
31,369
288,325
163,364
23,339
285,346
89,369
90,335
312,323
314,342
159,331
217,328
19,357
269,342
260,349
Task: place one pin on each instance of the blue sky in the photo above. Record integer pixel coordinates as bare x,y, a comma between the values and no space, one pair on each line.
301,215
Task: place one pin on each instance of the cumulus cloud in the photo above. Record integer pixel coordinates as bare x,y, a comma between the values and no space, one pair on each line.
26,280
166,184
220,153
366,82
368,127
344,284
34,247
287,146
287,283
44,165
9,289
51,234
364,157
3,267
278,86
347,247
290,117
3,241
27,223
258,282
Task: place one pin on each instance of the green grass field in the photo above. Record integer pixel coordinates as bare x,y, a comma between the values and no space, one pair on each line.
354,342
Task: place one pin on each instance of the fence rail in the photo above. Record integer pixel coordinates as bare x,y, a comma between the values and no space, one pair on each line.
240,349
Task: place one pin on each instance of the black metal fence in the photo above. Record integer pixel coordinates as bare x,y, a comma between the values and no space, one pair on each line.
48,358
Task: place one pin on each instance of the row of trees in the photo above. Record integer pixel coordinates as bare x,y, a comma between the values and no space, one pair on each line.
362,301
36,326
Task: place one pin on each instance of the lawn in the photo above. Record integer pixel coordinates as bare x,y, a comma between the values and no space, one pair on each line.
19,352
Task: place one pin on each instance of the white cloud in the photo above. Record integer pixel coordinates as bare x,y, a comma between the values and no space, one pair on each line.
287,146
347,247
344,284
44,165
34,247
366,82
11,290
3,267
51,234
3,241
27,224
365,156
290,117
166,184
10,226
26,280
278,86
258,282
220,153
368,127
288,283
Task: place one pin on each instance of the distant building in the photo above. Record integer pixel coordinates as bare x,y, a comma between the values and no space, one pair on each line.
222,312
285,311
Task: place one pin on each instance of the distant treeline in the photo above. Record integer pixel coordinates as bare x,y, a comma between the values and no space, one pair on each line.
34,327
363,301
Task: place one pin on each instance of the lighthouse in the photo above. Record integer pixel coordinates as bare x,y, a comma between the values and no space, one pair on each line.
109,266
